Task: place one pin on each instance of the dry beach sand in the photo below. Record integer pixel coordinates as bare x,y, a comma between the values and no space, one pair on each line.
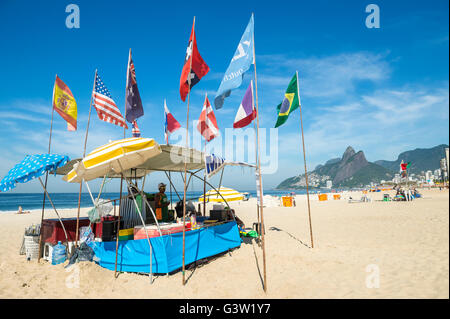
406,243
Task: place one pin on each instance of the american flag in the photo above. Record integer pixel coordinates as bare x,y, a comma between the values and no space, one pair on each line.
107,110
135,129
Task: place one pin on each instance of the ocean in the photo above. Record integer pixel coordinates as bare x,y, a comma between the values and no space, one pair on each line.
31,201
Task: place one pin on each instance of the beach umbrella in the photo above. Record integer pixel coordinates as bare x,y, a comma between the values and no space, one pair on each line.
31,167
228,194
113,158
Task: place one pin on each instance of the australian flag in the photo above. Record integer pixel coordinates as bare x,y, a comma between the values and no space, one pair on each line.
133,103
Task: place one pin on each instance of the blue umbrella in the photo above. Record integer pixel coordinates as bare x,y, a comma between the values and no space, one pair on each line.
32,166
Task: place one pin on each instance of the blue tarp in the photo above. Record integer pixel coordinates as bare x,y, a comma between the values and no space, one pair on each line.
134,255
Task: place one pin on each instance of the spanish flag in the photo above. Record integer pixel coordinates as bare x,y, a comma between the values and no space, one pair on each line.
64,103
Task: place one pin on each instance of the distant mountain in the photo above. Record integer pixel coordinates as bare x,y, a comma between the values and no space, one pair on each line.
351,170
422,159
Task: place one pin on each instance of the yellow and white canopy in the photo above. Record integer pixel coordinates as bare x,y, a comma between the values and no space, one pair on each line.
228,193
114,158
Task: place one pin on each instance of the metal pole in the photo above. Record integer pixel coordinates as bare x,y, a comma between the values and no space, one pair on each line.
121,175
57,214
256,161
304,160
187,147
46,174
145,229
170,180
259,168
118,224
204,181
170,188
84,154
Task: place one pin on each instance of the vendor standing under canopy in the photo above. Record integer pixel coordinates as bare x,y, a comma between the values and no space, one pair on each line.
161,203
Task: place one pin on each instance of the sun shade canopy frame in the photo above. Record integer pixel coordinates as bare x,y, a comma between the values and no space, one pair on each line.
169,158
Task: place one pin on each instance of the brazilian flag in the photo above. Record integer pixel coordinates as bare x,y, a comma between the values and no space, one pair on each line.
290,103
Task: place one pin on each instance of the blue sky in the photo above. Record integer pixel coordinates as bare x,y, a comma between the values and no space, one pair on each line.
382,90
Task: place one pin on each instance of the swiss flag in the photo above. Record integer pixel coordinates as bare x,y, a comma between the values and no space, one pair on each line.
194,72
207,124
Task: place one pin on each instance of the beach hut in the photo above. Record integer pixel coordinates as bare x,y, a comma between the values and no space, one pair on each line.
134,158
227,195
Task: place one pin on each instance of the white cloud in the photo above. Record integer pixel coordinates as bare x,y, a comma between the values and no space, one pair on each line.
330,76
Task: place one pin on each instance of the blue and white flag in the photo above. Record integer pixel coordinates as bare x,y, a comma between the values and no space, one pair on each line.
214,164
240,63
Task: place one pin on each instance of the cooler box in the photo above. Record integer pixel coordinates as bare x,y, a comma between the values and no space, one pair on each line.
323,197
52,231
166,229
220,215
337,196
287,201
98,227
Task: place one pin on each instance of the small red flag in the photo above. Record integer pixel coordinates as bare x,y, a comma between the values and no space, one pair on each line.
194,71
207,123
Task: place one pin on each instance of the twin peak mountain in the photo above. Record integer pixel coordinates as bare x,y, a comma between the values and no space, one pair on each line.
351,170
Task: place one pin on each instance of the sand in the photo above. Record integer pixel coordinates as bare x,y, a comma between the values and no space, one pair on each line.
361,250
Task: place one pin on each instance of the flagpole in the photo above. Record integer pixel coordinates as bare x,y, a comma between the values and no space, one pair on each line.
166,134
84,154
204,175
304,160
259,167
121,177
187,146
46,173
126,87
256,154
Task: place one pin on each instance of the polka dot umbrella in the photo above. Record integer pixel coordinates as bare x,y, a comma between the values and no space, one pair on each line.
31,167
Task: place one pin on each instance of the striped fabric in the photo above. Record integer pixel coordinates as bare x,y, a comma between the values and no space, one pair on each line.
135,131
228,193
107,109
129,214
131,152
213,164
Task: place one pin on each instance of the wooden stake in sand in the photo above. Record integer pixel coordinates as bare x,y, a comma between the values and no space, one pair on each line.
304,160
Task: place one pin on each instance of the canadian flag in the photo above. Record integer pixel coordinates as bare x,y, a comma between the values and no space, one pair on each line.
170,123
207,124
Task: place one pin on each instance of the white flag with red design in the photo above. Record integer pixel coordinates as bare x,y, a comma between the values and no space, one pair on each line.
207,124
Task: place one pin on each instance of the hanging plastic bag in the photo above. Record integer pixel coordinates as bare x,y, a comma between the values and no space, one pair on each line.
103,207
86,234
93,215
